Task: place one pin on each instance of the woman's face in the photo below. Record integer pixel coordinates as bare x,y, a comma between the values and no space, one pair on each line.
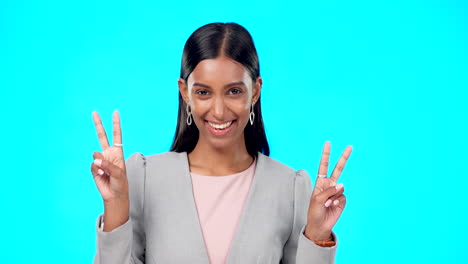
220,92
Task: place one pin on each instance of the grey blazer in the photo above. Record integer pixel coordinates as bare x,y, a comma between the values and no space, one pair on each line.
164,226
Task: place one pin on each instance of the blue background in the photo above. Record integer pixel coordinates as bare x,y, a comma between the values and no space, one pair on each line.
388,77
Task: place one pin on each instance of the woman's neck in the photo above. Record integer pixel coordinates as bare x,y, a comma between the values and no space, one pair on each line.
209,161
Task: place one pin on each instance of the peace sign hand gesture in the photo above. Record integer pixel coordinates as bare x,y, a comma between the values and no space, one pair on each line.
327,201
109,174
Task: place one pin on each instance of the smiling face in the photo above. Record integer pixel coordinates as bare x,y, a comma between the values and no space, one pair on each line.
220,92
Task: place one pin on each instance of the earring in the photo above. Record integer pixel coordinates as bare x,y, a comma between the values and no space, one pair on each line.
252,115
189,115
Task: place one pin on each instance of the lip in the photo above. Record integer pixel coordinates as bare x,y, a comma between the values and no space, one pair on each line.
220,132
219,123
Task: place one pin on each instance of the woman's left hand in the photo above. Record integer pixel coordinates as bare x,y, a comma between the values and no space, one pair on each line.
327,201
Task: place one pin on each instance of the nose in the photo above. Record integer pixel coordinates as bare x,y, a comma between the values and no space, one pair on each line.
218,108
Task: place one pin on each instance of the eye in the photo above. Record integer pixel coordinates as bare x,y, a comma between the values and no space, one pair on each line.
201,92
235,91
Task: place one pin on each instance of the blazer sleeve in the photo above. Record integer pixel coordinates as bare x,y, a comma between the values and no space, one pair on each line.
126,243
299,249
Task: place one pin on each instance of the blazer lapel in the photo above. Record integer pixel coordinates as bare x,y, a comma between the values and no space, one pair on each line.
247,223
192,213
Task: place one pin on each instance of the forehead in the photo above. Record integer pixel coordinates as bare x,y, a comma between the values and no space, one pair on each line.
220,70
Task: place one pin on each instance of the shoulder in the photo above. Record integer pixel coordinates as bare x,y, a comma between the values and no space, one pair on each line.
138,158
272,165
142,170
166,162
135,159
167,156
167,159
279,169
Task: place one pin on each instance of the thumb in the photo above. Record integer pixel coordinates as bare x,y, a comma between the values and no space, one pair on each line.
113,170
327,193
98,155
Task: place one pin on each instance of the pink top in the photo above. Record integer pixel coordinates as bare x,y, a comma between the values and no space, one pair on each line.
219,201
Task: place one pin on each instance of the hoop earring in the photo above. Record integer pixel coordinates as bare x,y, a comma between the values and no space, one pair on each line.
252,115
189,115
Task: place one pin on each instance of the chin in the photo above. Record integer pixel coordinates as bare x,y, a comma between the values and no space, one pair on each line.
223,144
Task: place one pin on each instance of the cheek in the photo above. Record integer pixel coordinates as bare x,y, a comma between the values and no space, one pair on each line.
241,103
240,108
200,106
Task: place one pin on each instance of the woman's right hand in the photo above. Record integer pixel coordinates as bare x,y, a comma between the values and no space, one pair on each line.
109,174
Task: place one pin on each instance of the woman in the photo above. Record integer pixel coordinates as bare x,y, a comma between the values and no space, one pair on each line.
216,197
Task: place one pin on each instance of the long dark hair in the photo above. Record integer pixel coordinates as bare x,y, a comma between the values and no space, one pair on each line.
209,42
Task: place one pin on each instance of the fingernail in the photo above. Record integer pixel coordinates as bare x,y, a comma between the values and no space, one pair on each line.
98,162
336,202
328,202
339,186
100,172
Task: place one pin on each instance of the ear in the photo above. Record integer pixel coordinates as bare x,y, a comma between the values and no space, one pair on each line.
183,89
256,89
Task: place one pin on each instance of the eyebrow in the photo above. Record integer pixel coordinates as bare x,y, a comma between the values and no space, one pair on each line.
225,86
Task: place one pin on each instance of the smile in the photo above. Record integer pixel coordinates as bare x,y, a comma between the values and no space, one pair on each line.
220,129
220,126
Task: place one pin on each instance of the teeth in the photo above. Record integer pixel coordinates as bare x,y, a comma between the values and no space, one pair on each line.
220,126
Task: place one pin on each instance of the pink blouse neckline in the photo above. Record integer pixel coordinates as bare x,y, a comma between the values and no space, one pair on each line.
219,201
227,176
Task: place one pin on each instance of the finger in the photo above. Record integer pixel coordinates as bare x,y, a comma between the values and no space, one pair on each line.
96,171
109,167
339,201
337,194
98,155
341,164
323,167
327,193
100,131
117,130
